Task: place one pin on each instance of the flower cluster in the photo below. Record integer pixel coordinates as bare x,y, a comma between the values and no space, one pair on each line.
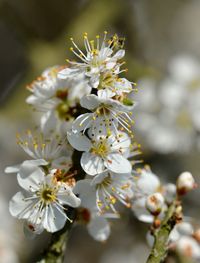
83,155
85,108
152,198
185,239
169,107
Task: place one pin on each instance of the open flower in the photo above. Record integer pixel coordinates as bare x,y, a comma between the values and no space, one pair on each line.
97,224
102,152
57,98
42,202
110,188
45,150
98,58
107,114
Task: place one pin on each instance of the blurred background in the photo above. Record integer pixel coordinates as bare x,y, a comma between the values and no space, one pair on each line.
163,57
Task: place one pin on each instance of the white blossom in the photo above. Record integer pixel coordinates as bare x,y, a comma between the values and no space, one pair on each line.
97,225
145,184
100,65
110,188
41,203
107,114
56,98
51,151
103,152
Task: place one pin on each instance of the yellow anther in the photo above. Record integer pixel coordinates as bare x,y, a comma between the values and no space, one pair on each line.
35,145
99,203
126,186
97,36
112,200
113,189
105,32
71,49
71,38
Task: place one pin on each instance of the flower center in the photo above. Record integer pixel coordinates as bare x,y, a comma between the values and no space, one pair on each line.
101,149
63,111
48,195
107,80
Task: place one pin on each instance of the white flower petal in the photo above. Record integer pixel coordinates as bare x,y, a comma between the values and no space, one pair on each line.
48,122
99,178
12,169
20,208
33,181
105,93
90,102
54,219
99,228
117,163
31,230
68,72
119,54
82,122
92,164
67,197
79,141
87,194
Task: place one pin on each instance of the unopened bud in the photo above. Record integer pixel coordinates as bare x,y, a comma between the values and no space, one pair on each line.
185,228
155,203
185,183
157,223
170,193
188,247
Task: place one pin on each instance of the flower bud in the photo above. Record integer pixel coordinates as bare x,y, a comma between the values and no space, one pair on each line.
188,247
169,192
155,203
185,183
185,228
